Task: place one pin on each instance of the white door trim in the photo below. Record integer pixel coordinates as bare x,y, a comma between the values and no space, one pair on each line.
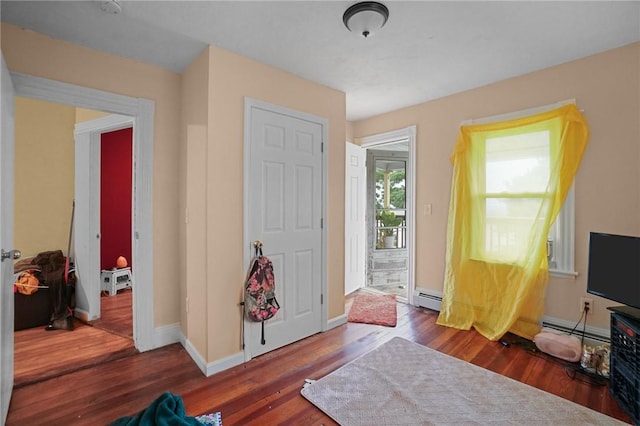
405,134
142,110
6,239
87,209
249,105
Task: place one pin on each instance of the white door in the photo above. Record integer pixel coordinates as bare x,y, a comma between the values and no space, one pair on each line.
354,225
6,240
86,230
284,210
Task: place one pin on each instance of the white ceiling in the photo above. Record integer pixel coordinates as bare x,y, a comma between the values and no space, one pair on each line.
427,49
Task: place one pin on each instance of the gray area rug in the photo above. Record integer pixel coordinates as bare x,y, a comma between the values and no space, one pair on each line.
432,388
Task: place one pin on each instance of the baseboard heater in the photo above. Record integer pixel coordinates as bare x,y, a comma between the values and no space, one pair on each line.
428,299
594,336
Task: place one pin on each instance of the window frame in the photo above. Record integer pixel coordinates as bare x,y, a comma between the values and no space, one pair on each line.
563,233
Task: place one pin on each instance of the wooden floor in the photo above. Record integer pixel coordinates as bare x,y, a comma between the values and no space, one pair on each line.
41,355
266,390
116,313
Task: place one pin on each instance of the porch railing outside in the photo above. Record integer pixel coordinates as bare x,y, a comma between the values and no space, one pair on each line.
398,232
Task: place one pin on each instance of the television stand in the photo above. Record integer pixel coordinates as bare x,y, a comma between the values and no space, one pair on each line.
627,311
625,363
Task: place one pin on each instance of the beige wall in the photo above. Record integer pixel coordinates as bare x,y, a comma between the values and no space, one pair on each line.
231,79
32,53
607,87
44,173
214,88
193,175
83,114
349,133
198,119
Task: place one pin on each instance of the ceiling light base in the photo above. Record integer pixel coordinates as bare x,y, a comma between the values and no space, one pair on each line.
365,18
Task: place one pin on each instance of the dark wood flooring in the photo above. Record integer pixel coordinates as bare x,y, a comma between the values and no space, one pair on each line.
40,355
266,390
116,314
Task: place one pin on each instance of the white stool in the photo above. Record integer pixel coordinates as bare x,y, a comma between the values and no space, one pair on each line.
112,280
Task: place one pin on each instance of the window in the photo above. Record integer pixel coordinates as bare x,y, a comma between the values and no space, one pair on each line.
510,193
510,180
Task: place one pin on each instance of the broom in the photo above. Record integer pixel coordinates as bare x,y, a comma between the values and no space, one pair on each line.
66,263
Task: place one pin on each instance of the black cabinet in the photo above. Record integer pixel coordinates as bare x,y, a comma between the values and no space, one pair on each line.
625,363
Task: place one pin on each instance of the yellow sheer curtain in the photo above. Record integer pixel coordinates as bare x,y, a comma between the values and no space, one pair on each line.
510,180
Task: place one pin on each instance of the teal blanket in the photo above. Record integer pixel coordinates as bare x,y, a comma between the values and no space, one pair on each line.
166,410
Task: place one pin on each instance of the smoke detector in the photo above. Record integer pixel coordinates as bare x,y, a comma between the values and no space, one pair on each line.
111,6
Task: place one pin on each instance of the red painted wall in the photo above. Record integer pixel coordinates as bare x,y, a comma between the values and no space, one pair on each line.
115,197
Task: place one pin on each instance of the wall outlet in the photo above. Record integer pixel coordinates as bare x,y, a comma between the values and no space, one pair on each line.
585,301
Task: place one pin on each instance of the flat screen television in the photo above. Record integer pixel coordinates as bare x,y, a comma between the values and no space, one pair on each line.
614,270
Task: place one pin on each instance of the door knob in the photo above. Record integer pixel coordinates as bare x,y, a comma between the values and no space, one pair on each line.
15,254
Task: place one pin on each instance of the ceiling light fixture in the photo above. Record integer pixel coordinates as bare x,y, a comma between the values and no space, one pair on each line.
365,18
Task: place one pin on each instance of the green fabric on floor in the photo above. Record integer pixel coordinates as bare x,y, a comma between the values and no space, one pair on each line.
166,410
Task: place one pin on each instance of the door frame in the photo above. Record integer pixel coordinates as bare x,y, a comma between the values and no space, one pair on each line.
248,251
7,111
87,207
142,111
405,134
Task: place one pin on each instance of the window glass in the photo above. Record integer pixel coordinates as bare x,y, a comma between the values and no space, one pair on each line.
517,169
516,173
518,163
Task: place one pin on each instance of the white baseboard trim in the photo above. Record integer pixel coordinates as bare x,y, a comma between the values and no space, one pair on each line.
593,336
209,369
166,335
335,322
195,355
224,364
81,315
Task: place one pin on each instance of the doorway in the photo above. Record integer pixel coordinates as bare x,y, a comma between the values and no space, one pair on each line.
50,162
104,188
389,214
142,112
94,142
387,253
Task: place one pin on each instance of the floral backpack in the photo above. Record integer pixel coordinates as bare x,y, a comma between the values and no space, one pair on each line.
260,302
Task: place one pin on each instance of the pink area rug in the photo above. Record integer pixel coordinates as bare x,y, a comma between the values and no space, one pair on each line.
379,309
